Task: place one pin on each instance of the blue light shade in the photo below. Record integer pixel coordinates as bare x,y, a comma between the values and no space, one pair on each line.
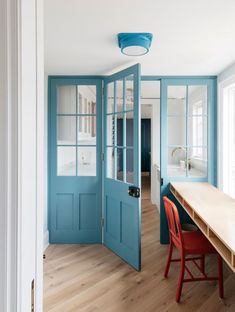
134,44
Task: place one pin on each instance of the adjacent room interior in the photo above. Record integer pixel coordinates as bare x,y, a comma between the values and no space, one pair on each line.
118,156
121,140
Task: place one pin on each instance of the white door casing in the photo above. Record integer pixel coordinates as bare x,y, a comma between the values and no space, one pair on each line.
21,161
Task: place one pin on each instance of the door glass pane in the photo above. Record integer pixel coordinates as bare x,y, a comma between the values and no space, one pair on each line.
176,161
86,130
86,99
176,100
129,165
110,170
66,161
197,131
86,159
176,130
129,93
120,164
119,129
66,130
197,161
110,102
197,100
119,95
66,100
129,128
110,130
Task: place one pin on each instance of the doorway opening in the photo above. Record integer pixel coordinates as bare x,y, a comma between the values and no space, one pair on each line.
150,141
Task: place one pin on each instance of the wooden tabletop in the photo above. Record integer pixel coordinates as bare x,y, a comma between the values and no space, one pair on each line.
213,212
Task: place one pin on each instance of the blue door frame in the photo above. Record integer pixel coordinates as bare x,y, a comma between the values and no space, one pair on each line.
211,144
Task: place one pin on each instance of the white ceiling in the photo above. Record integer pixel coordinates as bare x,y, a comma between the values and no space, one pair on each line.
191,37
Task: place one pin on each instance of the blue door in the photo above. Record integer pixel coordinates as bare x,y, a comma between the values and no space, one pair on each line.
74,163
122,210
188,136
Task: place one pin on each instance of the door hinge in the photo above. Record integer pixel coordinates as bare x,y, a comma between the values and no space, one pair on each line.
102,222
161,181
102,156
32,296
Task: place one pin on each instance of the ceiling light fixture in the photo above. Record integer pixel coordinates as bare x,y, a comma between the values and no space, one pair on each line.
134,44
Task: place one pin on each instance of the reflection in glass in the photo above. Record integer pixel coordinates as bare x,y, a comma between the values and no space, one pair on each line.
197,100
66,161
119,95
110,170
86,99
66,130
86,160
129,165
110,102
110,131
176,100
197,131
176,130
119,129
129,128
176,161
66,100
129,93
86,135
120,164
197,161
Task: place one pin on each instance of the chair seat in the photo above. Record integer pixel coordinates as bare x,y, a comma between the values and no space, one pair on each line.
197,243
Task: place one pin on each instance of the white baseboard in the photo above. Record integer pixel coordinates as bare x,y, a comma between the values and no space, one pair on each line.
46,240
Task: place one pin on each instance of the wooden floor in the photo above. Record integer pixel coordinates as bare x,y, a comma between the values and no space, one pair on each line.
92,278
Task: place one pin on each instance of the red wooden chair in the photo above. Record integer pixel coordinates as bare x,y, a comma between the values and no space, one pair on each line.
189,243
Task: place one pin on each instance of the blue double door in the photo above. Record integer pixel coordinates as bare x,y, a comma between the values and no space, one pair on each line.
94,174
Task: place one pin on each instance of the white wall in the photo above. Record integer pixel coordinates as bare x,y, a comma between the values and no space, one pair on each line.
21,67
224,79
8,156
227,73
155,154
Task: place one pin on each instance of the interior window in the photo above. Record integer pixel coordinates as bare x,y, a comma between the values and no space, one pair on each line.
187,131
76,130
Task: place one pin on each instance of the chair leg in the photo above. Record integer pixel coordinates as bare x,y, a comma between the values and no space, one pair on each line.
168,260
220,273
202,264
181,278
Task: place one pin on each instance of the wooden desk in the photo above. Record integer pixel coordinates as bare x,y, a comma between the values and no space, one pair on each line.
213,212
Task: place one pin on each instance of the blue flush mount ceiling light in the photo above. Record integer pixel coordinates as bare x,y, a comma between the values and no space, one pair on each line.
134,44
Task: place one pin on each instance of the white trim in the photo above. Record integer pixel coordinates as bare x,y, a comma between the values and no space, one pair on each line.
9,154
46,240
220,120
40,156
15,35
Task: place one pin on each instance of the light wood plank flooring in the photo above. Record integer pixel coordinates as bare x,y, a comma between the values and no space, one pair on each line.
92,278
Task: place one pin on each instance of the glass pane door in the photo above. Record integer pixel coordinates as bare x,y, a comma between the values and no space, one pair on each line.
75,168
122,210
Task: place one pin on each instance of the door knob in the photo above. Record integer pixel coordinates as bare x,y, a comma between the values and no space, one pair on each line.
134,191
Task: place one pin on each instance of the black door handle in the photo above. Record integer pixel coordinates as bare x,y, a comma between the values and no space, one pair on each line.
134,191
